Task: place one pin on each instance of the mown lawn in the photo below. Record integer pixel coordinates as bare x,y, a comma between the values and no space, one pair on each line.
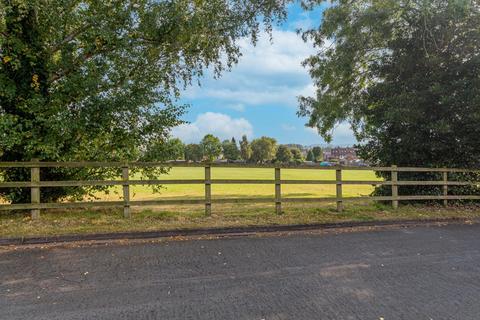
249,190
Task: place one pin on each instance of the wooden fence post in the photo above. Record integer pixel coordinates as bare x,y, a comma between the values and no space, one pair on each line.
445,187
126,192
338,176
278,192
35,191
394,187
208,190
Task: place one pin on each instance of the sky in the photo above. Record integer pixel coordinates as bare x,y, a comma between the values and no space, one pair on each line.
258,97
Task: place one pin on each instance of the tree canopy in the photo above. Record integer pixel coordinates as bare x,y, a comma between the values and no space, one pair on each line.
230,150
98,80
263,149
310,155
193,152
172,149
297,156
211,147
245,149
405,74
317,153
283,154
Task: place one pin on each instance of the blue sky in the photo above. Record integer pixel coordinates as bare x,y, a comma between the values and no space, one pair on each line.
259,95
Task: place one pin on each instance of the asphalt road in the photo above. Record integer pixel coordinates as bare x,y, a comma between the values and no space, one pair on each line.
415,273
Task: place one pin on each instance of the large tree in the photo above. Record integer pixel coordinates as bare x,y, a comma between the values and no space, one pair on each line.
230,150
317,153
310,155
193,152
245,149
99,80
297,156
211,147
263,149
405,74
283,154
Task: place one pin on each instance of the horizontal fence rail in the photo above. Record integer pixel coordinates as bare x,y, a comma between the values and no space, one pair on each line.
35,185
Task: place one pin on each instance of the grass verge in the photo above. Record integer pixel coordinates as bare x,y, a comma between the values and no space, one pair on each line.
56,222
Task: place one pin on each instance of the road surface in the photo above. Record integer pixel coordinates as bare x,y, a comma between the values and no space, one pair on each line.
414,273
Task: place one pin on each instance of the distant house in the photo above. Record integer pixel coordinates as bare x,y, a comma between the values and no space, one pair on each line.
342,155
327,153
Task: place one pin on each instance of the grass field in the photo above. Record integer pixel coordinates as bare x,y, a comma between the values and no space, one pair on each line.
247,190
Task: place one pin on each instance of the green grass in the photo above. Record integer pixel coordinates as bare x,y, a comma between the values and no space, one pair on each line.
55,222
249,190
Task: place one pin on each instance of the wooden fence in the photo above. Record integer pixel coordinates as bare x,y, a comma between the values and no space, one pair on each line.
35,185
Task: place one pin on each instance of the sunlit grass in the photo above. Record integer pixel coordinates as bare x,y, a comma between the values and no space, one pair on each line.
196,191
57,222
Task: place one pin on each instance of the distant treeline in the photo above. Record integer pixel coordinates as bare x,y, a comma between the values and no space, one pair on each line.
210,148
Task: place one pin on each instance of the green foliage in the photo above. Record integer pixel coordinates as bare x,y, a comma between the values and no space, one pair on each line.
245,149
405,75
193,152
230,150
283,154
172,149
98,80
263,149
297,156
211,147
317,154
310,155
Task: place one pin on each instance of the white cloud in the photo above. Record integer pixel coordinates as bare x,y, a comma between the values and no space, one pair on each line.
342,134
268,73
283,54
218,124
309,90
279,95
240,107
